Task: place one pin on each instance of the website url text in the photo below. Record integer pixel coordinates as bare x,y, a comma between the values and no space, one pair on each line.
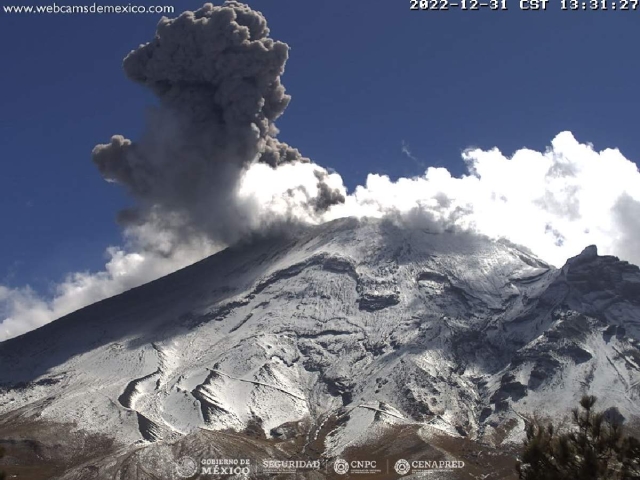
84,9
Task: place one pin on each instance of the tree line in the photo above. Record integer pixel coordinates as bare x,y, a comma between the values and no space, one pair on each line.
596,447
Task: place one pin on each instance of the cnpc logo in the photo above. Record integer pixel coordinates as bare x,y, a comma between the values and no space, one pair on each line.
342,467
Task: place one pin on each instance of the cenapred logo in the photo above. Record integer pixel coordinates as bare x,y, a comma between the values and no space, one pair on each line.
341,466
402,467
186,467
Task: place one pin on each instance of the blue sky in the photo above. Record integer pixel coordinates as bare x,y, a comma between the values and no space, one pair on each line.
364,76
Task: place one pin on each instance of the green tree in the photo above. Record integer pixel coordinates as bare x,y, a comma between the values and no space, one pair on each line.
2,474
595,448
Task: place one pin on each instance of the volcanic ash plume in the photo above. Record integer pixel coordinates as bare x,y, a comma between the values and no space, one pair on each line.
217,75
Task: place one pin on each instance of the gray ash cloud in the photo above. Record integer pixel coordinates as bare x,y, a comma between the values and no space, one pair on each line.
216,73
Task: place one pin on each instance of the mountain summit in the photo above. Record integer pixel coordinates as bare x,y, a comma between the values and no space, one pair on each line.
345,338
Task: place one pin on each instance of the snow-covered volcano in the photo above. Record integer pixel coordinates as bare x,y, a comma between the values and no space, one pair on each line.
321,344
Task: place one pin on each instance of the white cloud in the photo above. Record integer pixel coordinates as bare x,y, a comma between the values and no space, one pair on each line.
23,310
554,202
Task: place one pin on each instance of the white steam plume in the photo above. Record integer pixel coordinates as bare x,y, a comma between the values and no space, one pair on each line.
554,202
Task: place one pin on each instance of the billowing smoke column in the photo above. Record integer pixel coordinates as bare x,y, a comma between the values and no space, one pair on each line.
217,75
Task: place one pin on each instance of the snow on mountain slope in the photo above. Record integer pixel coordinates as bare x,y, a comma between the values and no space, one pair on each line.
361,326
